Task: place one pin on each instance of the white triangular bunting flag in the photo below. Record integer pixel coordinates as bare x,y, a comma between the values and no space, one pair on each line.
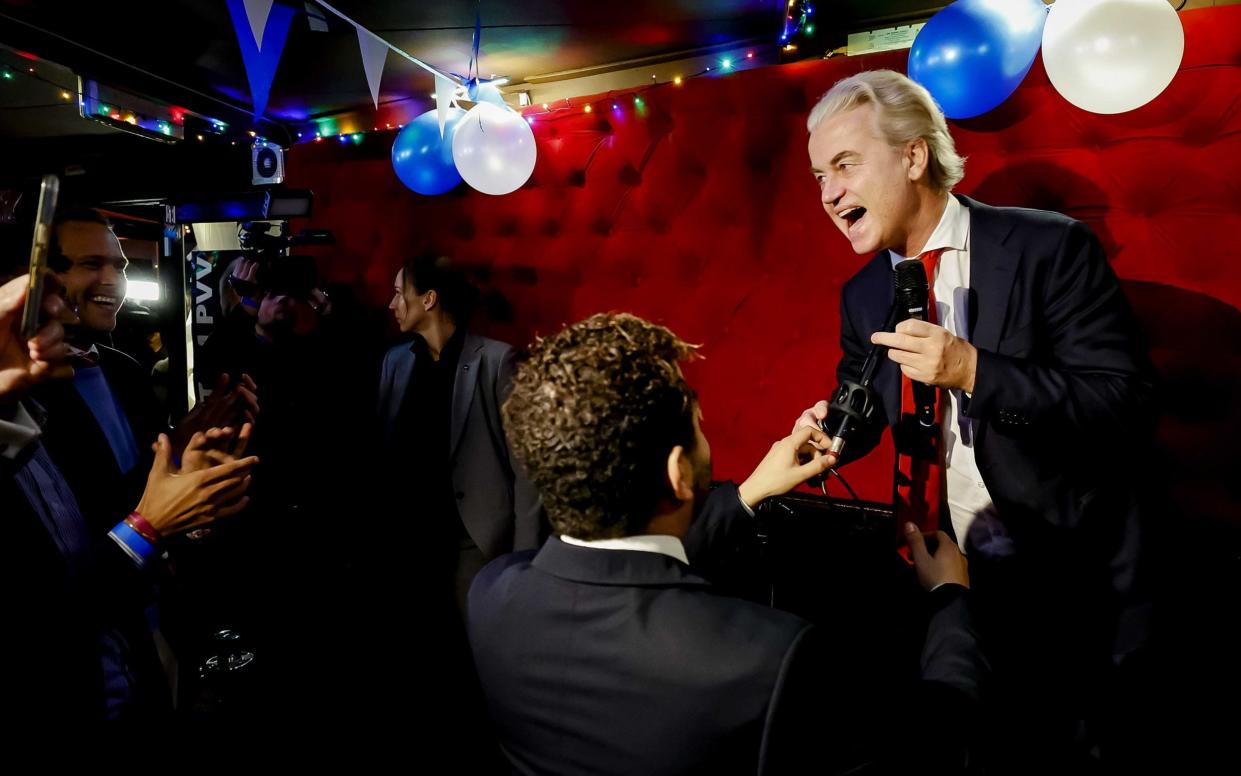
257,12
444,91
374,52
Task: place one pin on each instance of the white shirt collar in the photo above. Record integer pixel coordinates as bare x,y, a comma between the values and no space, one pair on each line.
661,544
952,233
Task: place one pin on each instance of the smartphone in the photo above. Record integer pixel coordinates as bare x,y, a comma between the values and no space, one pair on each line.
39,245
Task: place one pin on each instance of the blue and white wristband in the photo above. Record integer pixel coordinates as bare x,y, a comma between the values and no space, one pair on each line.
133,543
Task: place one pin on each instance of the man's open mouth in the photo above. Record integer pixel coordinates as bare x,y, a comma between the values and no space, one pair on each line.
852,215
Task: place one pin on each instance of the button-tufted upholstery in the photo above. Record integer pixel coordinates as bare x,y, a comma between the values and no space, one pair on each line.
697,209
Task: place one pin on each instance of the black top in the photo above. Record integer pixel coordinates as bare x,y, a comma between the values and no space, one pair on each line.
423,431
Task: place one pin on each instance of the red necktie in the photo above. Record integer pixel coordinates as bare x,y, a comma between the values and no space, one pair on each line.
83,358
919,449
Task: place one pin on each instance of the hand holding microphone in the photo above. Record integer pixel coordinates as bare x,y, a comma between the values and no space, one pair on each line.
929,355
782,468
813,418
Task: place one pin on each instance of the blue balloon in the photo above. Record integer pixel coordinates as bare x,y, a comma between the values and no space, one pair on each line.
973,54
422,159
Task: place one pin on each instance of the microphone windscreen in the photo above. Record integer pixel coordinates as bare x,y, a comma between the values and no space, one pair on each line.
911,276
911,290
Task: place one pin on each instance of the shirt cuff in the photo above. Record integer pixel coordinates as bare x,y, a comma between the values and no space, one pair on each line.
744,505
17,433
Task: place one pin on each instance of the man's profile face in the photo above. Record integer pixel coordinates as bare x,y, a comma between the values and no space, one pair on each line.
864,183
95,282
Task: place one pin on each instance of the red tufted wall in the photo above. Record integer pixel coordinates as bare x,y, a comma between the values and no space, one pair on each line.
698,211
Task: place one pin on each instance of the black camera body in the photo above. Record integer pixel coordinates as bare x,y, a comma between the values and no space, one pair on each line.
278,272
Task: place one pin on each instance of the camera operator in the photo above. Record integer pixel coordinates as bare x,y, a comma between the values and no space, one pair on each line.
286,563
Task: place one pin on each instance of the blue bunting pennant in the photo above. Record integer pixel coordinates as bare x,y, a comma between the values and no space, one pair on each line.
261,63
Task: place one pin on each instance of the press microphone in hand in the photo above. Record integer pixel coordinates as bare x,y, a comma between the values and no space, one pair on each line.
853,404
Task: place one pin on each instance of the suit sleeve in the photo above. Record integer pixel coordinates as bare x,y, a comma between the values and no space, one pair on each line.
952,655
722,543
952,694
818,701
1095,377
121,576
531,526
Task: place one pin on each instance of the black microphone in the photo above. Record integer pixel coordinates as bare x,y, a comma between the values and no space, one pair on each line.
853,403
912,295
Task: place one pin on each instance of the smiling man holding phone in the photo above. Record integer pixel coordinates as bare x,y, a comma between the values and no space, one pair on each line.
68,589
102,423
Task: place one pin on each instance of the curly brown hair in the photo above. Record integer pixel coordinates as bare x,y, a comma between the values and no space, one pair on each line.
593,415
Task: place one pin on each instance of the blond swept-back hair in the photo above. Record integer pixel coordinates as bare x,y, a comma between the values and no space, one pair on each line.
904,112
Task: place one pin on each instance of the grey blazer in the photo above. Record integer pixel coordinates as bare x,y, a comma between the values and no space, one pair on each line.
500,508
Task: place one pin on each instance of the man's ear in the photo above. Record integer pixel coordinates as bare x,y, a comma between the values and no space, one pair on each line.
680,474
918,155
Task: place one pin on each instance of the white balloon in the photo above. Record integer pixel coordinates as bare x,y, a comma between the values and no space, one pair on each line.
494,149
1111,56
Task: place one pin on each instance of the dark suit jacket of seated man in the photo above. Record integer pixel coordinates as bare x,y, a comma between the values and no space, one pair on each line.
612,655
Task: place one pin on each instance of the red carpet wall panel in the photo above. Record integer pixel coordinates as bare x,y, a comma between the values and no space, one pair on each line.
697,209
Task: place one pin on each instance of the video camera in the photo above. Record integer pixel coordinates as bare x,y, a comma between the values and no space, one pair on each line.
278,272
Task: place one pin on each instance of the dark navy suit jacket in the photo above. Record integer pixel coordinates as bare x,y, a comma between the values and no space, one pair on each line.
622,662
1061,404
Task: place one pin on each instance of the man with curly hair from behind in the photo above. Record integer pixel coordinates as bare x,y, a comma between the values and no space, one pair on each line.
607,652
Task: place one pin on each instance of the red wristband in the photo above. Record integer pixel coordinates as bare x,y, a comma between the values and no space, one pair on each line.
144,529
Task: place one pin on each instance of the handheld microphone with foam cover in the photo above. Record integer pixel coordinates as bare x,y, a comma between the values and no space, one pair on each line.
912,290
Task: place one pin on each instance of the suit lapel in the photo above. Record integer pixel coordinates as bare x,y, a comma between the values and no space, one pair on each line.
993,265
463,387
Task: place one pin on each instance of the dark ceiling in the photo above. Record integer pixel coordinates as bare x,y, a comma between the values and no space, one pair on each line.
186,52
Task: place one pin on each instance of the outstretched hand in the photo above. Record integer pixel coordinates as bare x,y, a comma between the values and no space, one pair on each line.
782,468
